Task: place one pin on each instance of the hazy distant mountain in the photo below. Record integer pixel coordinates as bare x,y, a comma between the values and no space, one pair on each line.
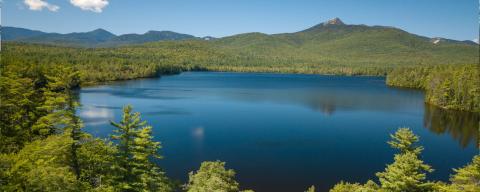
15,33
150,36
327,36
95,38
80,39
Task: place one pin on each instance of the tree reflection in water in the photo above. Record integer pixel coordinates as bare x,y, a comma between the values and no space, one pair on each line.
462,126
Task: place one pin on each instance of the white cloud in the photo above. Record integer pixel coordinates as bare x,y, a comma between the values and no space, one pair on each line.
90,5
38,5
476,41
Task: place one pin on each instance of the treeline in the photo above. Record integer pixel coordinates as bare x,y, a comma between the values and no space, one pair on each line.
449,86
95,65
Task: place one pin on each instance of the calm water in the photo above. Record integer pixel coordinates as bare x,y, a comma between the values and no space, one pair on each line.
283,132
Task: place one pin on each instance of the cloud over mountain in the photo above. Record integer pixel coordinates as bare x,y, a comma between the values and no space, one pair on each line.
38,5
90,5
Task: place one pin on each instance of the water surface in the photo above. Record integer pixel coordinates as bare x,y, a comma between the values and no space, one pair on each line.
283,132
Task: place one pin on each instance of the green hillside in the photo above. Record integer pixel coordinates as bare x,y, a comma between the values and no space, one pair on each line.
328,48
340,45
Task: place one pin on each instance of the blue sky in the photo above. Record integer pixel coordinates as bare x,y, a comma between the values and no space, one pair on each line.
455,19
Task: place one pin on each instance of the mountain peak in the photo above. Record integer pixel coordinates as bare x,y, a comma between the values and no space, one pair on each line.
334,21
99,30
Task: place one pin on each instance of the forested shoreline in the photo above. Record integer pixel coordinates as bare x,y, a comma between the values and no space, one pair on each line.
451,86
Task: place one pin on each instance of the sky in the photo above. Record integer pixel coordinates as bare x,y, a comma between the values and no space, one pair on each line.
454,19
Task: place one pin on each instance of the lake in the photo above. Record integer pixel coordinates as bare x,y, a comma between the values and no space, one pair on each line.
283,132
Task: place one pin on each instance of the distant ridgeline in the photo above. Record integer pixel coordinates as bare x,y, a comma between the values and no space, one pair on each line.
447,69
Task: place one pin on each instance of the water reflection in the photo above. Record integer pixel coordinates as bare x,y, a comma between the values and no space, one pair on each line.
462,126
96,115
327,125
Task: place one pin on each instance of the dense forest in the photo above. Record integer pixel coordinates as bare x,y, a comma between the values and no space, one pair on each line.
450,79
43,147
450,86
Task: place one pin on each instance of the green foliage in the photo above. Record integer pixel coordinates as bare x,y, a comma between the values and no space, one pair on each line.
136,149
468,178
450,86
311,189
440,69
355,187
332,49
212,176
42,165
404,140
96,158
465,179
35,101
17,110
45,165
407,172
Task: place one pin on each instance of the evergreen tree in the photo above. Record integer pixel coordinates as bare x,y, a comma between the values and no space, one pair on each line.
355,187
212,176
465,179
407,172
17,110
43,165
61,85
96,157
404,140
311,189
136,150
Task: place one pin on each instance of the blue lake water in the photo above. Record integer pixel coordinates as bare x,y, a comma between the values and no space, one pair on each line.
283,132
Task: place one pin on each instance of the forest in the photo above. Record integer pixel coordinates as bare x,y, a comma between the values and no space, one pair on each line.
450,86
43,147
451,83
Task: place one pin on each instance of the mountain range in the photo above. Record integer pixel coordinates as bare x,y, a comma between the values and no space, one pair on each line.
334,29
95,38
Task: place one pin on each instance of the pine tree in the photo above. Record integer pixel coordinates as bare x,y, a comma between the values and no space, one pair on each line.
404,140
370,186
407,172
136,150
311,189
43,165
465,179
212,176
62,106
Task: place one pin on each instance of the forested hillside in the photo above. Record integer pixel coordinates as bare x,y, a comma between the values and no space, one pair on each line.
328,48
